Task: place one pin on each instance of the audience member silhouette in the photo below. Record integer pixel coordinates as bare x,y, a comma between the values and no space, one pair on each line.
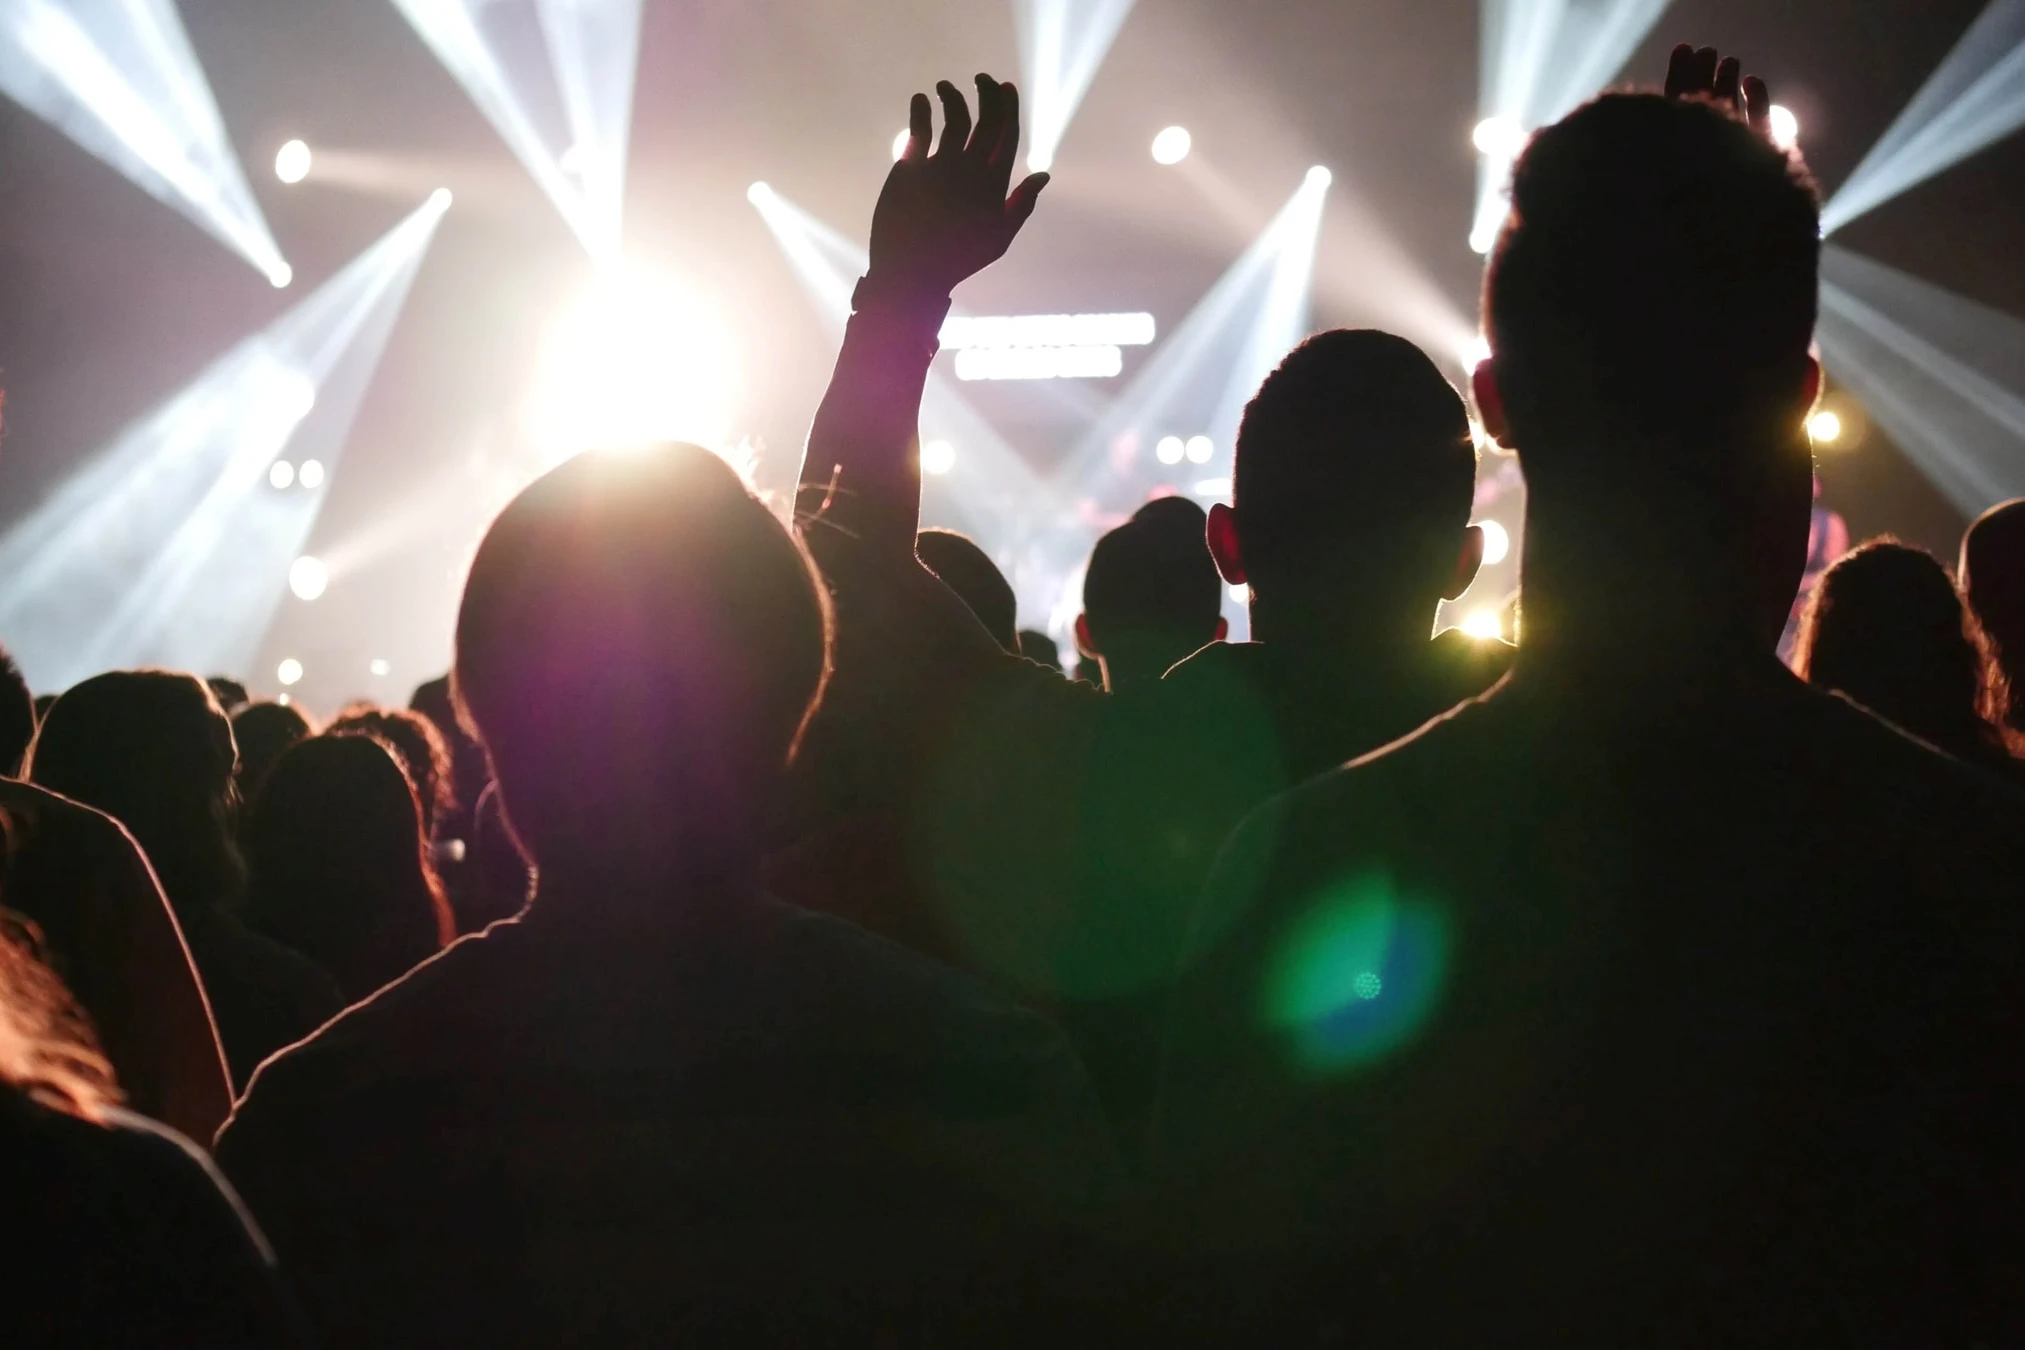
658,1102
103,925
42,706
17,716
469,773
263,732
969,571
1886,628
337,865
230,693
123,1233
1151,597
1655,997
1039,648
1993,583
501,880
419,747
152,749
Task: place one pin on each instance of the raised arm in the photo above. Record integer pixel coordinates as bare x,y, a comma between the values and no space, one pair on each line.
942,217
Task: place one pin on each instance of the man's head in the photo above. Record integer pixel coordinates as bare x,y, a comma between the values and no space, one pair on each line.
1151,594
1650,305
969,571
1350,501
17,716
640,645
1993,583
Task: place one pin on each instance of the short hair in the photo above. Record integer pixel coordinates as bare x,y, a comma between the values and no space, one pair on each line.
1355,437
423,753
638,631
1154,574
231,694
1657,274
263,731
969,571
17,715
1993,584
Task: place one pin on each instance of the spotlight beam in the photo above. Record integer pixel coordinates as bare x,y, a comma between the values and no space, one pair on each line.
1939,373
1062,44
171,548
119,78
1975,98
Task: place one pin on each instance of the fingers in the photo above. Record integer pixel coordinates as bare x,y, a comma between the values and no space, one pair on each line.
1729,89
1758,105
1021,204
955,120
1679,70
1006,153
990,115
920,128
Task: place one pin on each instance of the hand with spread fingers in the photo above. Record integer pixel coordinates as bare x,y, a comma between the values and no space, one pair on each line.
1699,72
946,214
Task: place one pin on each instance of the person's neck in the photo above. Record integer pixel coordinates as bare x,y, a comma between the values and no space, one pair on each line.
1345,636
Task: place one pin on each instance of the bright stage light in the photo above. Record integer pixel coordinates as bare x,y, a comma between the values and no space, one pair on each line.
1062,43
281,474
1169,450
1785,127
440,199
1940,374
1200,449
280,275
311,474
163,549
1319,178
1475,352
1483,624
291,162
289,671
1540,59
759,194
1975,98
960,331
1497,542
1499,138
1824,428
900,139
120,78
1241,593
640,358
379,666
1039,363
937,457
557,85
307,577
1212,487
1172,145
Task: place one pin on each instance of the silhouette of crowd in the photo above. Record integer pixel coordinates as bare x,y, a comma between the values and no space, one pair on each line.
757,939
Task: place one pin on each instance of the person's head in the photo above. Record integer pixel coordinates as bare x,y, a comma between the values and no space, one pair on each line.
969,571
1886,627
1039,648
153,750
1649,306
1993,583
1151,595
230,693
263,731
420,747
640,646
1354,476
17,715
337,865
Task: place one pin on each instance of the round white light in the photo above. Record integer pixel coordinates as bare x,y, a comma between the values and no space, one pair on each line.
1168,450
1483,623
291,162
1824,427
307,578
289,671
938,457
900,139
1497,542
378,665
1320,177
280,474
280,275
1241,593
1200,449
1499,138
440,199
1172,145
1484,237
759,194
311,474
1785,127
1038,162
1475,352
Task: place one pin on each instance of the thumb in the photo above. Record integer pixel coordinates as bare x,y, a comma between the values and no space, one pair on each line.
1024,197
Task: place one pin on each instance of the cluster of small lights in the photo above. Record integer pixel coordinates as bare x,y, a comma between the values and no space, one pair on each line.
1172,145
282,475
937,457
291,162
1196,450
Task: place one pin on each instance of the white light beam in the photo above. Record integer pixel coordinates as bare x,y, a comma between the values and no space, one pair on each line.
1062,43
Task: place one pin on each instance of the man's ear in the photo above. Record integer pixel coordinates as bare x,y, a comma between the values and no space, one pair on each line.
1491,403
1222,534
1222,629
1468,559
1083,642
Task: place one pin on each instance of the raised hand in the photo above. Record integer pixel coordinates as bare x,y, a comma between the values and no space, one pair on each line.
947,215
1701,73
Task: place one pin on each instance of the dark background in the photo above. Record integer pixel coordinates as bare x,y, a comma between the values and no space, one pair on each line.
110,301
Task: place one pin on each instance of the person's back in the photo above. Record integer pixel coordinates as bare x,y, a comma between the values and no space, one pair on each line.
153,750
658,1101
1653,998
1993,584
